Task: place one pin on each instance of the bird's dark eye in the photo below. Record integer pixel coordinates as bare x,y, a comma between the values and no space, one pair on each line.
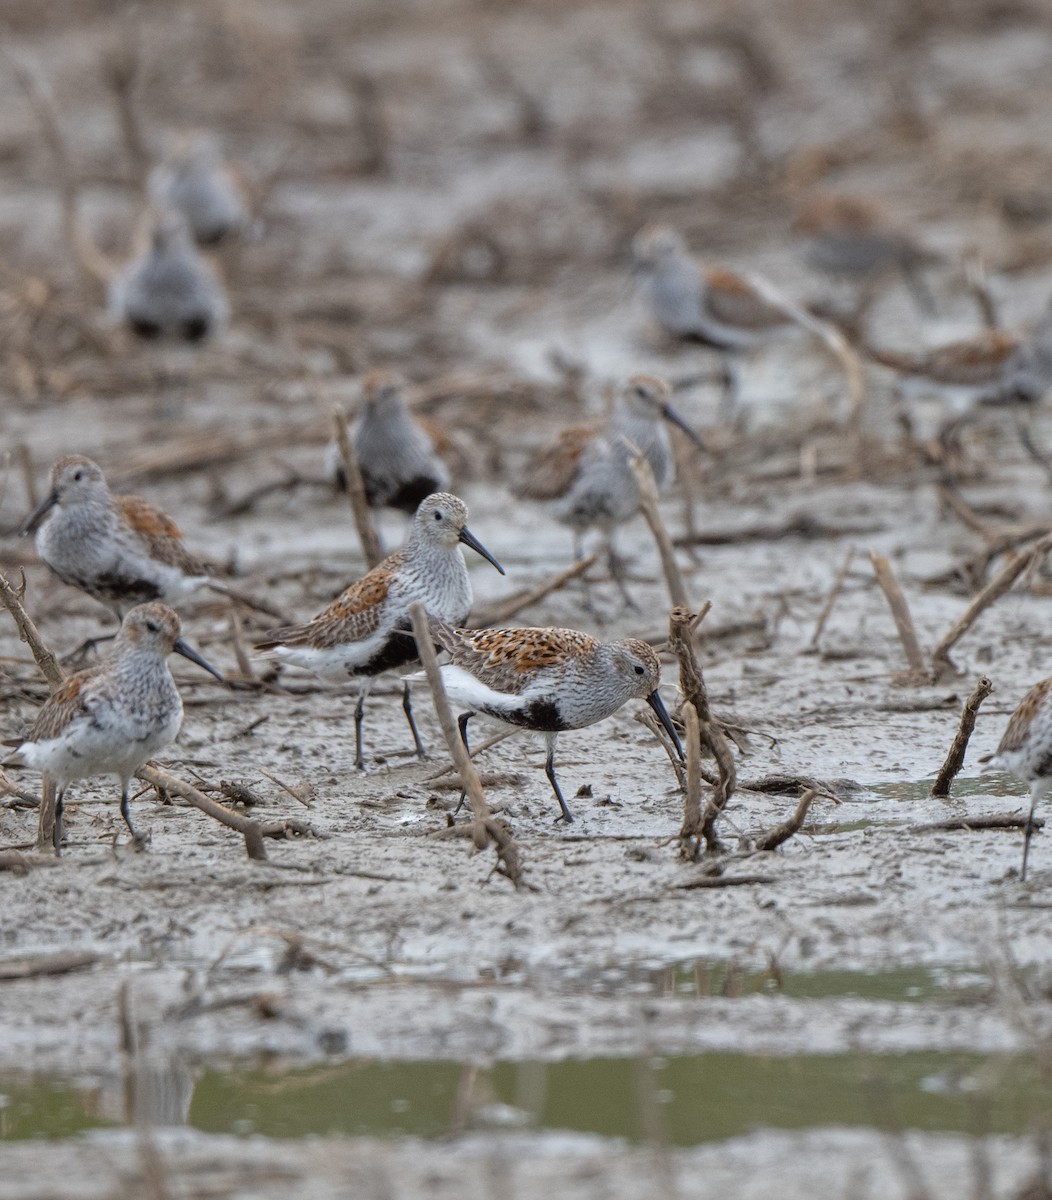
641,392
153,627
78,476
640,670
438,516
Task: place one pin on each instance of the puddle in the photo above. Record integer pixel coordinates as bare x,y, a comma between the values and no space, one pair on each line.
723,978
688,1100
912,791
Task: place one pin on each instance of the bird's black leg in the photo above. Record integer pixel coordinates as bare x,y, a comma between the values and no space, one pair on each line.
407,708
1028,833
60,797
359,713
549,770
126,813
618,568
462,723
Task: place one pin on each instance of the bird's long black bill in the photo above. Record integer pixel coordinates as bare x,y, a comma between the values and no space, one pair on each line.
180,647
38,514
658,705
673,417
469,539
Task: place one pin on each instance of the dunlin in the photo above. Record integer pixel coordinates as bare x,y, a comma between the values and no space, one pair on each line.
119,549
170,291
992,366
1025,751
548,680
193,180
364,631
849,237
397,454
110,719
711,305
586,475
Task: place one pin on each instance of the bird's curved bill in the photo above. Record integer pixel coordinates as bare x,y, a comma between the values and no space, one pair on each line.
673,417
469,539
658,705
38,514
180,647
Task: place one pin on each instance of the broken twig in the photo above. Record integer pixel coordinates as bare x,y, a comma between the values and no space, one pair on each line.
356,492
648,503
783,832
940,660
889,585
484,827
955,758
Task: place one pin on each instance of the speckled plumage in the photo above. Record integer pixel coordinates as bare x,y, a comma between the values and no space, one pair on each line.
585,475
992,366
121,550
547,680
170,291
363,632
1025,750
397,454
110,719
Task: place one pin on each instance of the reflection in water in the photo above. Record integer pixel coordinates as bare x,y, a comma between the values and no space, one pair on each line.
689,1099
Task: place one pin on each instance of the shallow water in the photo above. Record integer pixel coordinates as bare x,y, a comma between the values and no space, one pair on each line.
685,1100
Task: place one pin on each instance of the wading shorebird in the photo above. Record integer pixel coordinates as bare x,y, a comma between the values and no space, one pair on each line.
548,680
194,181
850,238
110,719
586,474
397,454
170,291
366,630
992,366
1025,751
711,305
121,550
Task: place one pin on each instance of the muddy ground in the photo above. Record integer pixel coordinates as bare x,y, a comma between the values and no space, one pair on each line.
451,188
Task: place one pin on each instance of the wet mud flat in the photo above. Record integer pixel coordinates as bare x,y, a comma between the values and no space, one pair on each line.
371,1007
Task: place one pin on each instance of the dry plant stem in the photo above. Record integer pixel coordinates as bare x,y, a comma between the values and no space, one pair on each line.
692,685
648,502
690,839
46,814
200,451
940,660
889,585
783,832
356,492
506,609
249,829
969,824
955,758
91,265
834,341
27,631
723,881
483,828
425,647
831,599
475,752
952,499
253,602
